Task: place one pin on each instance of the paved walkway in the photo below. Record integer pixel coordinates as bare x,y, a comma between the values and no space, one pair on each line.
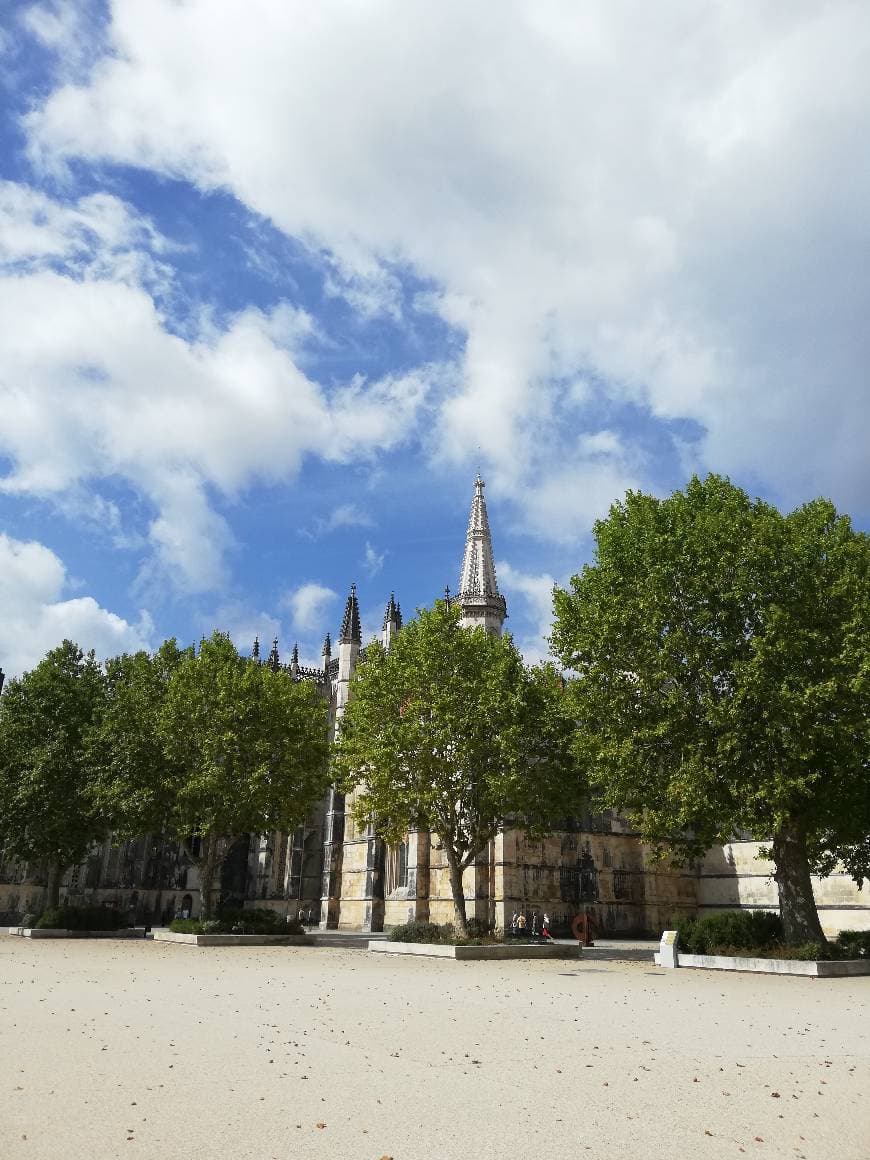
163,1051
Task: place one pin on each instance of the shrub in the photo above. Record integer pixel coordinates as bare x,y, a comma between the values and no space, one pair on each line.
239,922
479,934
741,931
854,944
478,928
81,918
805,952
257,921
421,932
186,926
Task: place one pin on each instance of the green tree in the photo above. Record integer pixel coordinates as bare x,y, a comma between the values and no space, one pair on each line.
723,678
246,749
450,733
136,780
48,719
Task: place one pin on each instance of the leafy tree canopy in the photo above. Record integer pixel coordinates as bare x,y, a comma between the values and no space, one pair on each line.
449,732
723,677
48,720
245,750
137,779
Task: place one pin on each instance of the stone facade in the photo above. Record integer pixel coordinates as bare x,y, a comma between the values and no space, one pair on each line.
735,876
332,873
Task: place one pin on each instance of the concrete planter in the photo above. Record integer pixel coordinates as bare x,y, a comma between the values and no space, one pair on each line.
234,940
57,932
466,953
814,968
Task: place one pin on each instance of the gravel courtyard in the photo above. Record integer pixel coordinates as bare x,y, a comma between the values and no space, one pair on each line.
142,1049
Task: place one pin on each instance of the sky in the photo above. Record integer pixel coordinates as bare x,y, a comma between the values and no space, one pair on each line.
278,278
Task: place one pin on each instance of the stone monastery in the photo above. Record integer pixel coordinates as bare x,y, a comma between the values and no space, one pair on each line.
333,874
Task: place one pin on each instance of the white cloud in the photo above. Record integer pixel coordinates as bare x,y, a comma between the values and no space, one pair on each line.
373,561
62,27
244,624
663,196
96,236
107,390
535,614
346,515
36,618
308,605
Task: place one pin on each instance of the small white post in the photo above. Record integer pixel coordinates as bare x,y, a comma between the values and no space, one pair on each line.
668,950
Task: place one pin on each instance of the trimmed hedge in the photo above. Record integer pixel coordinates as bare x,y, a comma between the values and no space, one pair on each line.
759,934
420,932
742,931
261,921
854,944
81,918
479,934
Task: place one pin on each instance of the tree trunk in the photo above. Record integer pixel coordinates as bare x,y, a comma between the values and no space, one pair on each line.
208,864
53,876
460,924
797,907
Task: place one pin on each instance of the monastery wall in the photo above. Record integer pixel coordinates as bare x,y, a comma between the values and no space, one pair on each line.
566,873
734,877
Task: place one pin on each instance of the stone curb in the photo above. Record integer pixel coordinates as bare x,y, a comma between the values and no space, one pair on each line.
57,932
234,940
467,953
812,968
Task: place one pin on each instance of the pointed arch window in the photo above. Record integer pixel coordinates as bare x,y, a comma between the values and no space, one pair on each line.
397,867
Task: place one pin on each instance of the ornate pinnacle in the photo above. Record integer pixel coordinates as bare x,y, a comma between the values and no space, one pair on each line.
255,651
327,646
274,661
478,587
294,658
351,632
392,614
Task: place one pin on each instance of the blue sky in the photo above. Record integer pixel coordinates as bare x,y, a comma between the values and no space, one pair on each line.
277,279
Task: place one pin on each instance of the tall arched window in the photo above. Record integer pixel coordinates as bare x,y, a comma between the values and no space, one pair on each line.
397,867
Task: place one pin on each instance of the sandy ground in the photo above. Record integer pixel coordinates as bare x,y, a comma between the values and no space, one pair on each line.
142,1049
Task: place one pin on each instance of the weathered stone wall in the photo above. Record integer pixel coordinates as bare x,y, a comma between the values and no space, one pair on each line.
734,877
608,874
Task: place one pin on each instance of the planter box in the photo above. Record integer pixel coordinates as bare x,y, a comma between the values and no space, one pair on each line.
57,932
814,968
496,951
234,940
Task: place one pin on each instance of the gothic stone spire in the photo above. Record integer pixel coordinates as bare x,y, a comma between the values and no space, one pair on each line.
351,633
391,613
392,621
479,598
